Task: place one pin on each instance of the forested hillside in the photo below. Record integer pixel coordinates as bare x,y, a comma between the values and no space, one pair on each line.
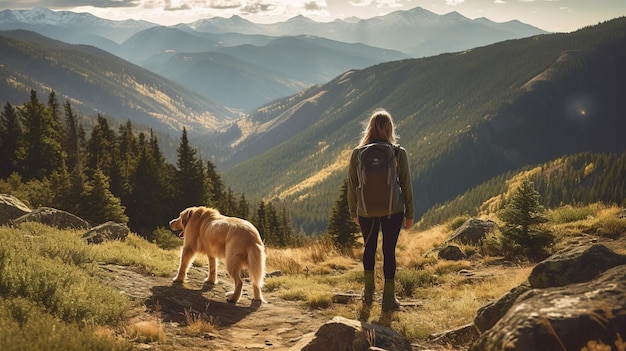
576,179
47,159
99,82
464,118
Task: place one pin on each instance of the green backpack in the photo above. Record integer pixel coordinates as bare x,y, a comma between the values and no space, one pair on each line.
379,190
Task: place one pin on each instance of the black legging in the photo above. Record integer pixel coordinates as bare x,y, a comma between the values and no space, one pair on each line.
370,227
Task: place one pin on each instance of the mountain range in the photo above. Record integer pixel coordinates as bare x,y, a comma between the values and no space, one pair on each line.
97,82
464,117
244,65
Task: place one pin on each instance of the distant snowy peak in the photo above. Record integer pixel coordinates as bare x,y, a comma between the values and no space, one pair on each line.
44,16
39,15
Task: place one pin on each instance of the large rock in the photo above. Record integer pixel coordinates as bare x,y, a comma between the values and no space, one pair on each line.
11,208
564,318
473,231
54,218
106,232
451,253
572,265
463,335
488,315
346,334
575,265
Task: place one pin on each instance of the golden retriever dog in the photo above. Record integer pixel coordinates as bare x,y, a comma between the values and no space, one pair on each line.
234,240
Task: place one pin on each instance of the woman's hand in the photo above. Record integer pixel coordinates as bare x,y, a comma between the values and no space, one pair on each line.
356,221
408,223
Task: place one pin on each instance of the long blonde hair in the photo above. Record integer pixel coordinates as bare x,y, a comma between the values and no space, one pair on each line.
379,127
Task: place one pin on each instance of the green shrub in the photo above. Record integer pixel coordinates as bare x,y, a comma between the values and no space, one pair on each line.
456,222
321,300
569,214
34,268
612,227
408,280
522,232
165,239
26,326
138,252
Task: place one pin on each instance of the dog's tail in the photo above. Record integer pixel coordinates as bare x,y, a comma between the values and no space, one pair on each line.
256,264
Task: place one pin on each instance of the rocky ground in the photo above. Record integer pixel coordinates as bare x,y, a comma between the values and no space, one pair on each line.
247,325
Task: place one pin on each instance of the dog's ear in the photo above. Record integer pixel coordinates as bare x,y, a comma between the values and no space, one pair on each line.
186,215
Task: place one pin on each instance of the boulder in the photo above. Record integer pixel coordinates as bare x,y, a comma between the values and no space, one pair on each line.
54,218
451,253
463,335
473,231
11,208
345,334
570,317
106,232
488,315
575,265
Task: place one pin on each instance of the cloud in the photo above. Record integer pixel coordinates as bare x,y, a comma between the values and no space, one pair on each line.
315,5
167,6
68,4
110,3
379,3
387,4
360,3
256,7
224,4
284,8
454,2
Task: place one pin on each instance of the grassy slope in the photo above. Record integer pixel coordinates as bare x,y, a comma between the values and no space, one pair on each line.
51,298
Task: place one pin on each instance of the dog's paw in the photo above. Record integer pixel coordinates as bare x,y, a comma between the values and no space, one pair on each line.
231,297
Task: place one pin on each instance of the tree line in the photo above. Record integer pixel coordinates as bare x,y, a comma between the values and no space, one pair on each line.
581,178
47,159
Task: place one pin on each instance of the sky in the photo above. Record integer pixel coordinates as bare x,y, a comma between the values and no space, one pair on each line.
549,15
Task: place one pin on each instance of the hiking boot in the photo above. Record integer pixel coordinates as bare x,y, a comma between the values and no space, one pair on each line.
368,290
390,303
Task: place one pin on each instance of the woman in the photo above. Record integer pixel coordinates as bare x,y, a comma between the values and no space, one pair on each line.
380,128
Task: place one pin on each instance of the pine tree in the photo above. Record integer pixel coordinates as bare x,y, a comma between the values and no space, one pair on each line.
190,179
217,188
71,141
147,207
65,191
286,227
126,162
101,147
243,208
98,204
521,231
272,232
10,140
42,146
55,112
341,227
261,221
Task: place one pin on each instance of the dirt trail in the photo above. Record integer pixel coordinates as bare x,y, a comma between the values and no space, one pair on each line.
247,325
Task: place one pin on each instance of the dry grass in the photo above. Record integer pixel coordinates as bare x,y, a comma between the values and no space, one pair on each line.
198,322
146,331
441,298
444,299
